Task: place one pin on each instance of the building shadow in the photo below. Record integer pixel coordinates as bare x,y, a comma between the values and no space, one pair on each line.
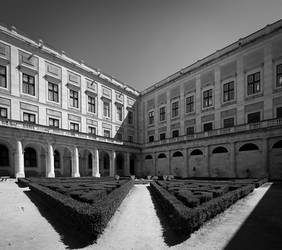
72,238
172,234
263,227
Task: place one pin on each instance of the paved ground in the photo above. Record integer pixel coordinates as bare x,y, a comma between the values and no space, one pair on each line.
137,226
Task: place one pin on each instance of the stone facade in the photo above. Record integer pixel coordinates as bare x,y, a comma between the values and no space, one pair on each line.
219,117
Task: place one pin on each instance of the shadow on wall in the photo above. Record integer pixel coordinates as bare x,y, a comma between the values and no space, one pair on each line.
263,228
71,238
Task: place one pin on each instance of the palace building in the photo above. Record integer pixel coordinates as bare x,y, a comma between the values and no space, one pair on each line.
219,117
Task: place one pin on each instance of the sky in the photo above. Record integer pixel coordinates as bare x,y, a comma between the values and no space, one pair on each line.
139,42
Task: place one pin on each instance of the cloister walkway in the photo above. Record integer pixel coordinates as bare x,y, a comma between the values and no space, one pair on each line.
135,225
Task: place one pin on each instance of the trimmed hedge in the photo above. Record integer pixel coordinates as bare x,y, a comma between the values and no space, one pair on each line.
90,219
189,219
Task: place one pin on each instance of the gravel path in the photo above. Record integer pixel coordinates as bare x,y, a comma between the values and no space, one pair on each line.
135,225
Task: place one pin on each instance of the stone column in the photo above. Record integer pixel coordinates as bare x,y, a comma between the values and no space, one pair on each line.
50,162
233,159
95,163
127,164
185,154
75,163
19,161
155,163
113,163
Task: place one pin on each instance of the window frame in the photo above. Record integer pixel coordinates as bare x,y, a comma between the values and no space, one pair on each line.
74,99
253,112
28,84
190,103
4,75
7,112
106,131
253,73
151,117
29,115
53,92
119,115
175,111
161,136
151,138
130,117
205,124
54,119
106,114
188,127
162,115
173,133
226,118
90,130
74,124
207,98
91,107
228,91
278,74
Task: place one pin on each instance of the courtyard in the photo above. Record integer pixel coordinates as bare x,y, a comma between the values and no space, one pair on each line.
254,222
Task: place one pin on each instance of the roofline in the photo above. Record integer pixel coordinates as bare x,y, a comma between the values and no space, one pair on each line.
14,32
270,28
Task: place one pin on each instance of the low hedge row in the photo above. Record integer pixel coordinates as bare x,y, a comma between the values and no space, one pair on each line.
189,219
90,219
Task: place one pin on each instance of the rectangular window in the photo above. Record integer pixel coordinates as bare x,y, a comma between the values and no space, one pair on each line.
175,133
3,76
74,98
175,109
107,133
254,117
107,109
207,126
190,130
151,117
190,104
151,138
253,83
28,84
162,136
279,75
279,112
162,113
207,98
74,126
130,117
91,130
91,104
130,138
53,92
119,136
54,122
228,91
228,122
27,117
3,112
119,113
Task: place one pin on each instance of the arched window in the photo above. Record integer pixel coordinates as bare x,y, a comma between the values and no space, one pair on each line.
89,161
177,154
148,157
56,159
196,152
30,160
248,147
219,150
277,144
106,161
161,156
4,156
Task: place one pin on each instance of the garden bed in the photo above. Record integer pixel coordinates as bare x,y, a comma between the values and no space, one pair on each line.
189,203
86,204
